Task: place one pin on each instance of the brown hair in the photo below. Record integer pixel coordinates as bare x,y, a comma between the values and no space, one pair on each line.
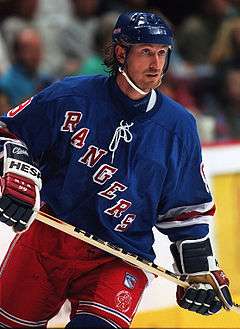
110,59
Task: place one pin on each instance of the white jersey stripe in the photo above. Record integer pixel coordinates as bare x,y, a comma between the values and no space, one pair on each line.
106,309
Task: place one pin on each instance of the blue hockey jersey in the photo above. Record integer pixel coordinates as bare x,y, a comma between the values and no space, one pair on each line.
113,169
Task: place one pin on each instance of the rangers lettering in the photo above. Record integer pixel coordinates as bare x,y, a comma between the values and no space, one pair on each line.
127,220
79,138
120,207
104,173
72,119
92,156
114,187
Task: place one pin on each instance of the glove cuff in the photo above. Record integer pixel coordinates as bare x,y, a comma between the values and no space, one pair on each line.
18,161
221,283
193,257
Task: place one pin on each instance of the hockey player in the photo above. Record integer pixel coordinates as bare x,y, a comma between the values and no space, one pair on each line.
116,158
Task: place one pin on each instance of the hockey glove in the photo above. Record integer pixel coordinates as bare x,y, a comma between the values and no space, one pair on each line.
20,186
208,291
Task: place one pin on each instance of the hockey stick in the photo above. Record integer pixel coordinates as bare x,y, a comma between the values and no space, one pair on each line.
115,250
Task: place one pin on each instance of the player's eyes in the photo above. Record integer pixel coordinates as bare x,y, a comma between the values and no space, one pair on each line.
162,52
146,51
149,52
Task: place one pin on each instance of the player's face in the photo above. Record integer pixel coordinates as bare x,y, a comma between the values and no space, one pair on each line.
145,63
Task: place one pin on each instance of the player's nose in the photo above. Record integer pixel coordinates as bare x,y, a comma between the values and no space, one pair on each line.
156,62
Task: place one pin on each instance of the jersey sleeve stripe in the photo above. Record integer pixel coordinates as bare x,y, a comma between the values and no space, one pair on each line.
182,213
187,222
190,214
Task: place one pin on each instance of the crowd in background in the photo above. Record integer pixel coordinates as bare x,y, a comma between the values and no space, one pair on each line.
42,41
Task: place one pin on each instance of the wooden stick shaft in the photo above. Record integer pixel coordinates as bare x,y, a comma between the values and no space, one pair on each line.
115,250
110,248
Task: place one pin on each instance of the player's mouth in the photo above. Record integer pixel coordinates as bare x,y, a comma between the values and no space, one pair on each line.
152,75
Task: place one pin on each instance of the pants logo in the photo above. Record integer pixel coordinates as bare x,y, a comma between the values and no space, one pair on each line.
123,301
129,281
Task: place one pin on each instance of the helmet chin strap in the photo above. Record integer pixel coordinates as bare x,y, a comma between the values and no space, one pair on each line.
153,97
140,91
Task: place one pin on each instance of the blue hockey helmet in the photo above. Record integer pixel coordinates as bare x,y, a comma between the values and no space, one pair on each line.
142,27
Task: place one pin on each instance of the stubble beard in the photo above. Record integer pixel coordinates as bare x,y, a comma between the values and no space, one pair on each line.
151,85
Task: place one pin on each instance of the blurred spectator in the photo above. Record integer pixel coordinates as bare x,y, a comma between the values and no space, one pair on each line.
217,96
53,8
4,103
225,51
22,80
229,104
196,34
47,17
76,37
194,73
94,64
4,62
24,14
51,16
223,104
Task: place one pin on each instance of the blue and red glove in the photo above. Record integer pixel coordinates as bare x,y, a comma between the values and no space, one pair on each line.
209,287
20,185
